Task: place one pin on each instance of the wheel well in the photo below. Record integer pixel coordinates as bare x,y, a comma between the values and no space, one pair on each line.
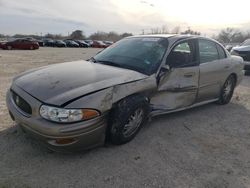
114,106
132,95
235,77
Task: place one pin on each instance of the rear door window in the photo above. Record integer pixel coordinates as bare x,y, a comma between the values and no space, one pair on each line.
208,51
222,53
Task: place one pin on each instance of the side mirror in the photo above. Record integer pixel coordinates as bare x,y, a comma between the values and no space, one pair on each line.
165,68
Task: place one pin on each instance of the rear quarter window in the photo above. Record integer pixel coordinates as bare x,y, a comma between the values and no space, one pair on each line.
221,51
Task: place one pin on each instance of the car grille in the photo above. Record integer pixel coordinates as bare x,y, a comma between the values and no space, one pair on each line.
244,54
21,103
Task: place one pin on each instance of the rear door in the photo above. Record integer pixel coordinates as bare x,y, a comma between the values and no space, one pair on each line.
178,87
213,69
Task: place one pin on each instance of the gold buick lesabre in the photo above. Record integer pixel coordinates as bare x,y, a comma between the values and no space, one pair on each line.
82,104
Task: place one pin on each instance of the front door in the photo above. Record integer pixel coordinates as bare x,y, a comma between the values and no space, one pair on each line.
178,87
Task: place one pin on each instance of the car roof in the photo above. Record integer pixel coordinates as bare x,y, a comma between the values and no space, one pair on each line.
175,37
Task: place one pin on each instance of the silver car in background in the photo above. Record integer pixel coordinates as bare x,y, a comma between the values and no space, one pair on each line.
79,105
243,50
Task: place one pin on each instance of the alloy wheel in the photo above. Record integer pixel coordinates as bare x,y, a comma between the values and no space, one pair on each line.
133,123
227,89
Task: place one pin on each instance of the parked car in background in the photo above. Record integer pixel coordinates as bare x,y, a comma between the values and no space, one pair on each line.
40,42
243,50
81,104
2,44
89,42
71,43
98,44
59,43
29,38
108,43
49,42
21,44
82,43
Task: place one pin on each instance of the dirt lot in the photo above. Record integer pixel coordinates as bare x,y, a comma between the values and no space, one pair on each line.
208,146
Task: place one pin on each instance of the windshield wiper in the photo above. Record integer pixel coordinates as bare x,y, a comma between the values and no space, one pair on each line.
111,63
92,59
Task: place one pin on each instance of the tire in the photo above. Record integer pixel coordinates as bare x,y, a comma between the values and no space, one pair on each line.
227,90
126,119
31,48
9,47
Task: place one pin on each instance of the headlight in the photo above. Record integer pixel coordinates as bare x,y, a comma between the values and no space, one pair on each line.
67,115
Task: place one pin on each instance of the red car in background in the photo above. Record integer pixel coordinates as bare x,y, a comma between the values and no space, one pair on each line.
21,44
98,44
2,44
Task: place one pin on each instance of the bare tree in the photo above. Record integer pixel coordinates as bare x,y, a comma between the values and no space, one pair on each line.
176,30
160,30
164,29
112,36
191,32
77,34
231,35
54,36
123,35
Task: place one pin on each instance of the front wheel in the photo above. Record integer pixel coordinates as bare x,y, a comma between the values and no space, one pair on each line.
126,119
9,47
227,90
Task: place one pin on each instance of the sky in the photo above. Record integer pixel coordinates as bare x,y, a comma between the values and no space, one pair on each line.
64,16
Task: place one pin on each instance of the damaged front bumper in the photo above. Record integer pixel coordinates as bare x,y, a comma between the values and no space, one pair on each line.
56,136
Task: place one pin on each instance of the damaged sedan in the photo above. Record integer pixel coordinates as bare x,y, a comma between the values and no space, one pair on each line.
79,105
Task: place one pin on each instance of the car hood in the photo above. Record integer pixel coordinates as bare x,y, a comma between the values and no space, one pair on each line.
242,48
60,83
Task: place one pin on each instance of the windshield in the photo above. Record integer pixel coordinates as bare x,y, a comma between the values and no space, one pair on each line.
142,54
246,43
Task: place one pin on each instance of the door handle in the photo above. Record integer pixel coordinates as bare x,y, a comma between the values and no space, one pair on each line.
190,74
227,67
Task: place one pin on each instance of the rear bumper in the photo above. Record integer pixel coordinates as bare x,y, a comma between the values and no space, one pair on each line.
59,137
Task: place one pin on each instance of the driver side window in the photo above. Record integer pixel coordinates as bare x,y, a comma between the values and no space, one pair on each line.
182,55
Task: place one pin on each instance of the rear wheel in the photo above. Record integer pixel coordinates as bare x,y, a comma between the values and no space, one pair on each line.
227,90
126,119
9,47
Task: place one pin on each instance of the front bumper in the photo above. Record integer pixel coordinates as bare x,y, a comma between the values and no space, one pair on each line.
59,137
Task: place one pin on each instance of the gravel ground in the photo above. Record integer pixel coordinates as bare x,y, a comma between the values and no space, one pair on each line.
208,146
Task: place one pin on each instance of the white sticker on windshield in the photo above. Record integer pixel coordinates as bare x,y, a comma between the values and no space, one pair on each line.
151,39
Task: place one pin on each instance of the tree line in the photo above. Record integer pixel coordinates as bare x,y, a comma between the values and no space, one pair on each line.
232,35
227,35
104,36
76,35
